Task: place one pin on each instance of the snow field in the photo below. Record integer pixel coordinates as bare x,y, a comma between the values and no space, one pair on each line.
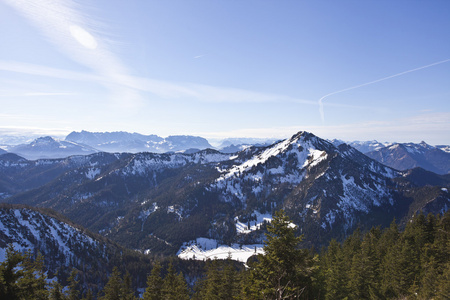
204,248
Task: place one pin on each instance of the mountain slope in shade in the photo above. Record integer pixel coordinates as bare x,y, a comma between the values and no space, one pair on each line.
409,155
64,245
48,147
18,174
420,177
101,192
26,228
157,202
135,142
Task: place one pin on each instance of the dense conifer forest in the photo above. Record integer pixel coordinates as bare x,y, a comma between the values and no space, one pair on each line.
379,264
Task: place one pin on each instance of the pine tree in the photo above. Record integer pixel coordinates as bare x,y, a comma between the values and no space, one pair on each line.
127,292
230,282
212,282
88,296
73,292
174,286
364,273
283,271
10,273
113,288
335,272
56,292
220,282
33,283
21,277
154,284
443,286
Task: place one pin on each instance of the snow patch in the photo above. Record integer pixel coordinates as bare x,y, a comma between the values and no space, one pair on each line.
203,249
243,228
92,173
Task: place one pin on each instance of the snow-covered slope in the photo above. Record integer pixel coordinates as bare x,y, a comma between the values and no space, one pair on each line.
403,156
445,148
323,184
28,229
204,249
66,246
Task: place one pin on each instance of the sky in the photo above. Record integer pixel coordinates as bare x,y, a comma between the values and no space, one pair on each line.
351,70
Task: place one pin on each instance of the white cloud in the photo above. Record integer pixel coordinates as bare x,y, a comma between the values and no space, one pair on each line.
34,94
128,86
77,36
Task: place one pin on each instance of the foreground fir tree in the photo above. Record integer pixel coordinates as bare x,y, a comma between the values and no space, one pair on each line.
413,264
221,282
56,292
118,288
154,284
283,272
21,277
73,293
174,286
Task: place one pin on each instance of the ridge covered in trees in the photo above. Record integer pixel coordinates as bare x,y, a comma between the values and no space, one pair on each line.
379,264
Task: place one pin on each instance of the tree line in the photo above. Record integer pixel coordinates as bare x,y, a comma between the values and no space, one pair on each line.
379,264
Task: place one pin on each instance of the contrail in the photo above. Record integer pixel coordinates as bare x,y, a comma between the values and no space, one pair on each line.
375,81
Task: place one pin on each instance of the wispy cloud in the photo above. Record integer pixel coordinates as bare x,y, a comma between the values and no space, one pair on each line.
129,86
22,134
78,36
34,94
37,94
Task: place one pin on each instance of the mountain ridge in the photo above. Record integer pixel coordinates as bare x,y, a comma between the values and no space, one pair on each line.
48,147
157,202
121,141
403,156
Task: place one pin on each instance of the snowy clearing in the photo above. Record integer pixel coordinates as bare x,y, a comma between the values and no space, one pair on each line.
203,249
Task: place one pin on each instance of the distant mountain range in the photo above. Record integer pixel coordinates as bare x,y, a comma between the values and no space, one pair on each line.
400,156
157,202
48,147
363,146
404,156
135,142
409,155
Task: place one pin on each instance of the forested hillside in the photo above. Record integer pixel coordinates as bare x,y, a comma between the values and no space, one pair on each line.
379,264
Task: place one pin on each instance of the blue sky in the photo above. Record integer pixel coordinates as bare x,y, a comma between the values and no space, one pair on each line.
353,70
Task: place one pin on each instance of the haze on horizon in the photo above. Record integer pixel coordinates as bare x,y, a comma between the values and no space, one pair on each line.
351,70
